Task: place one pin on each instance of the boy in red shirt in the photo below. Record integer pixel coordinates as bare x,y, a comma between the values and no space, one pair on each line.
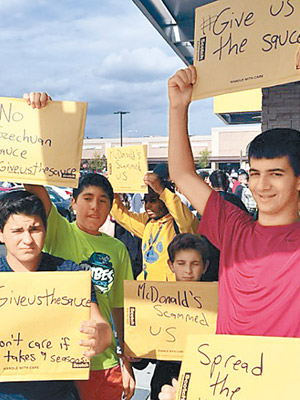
259,277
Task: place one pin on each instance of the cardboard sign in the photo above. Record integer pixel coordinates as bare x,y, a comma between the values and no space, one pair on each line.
126,167
222,367
245,44
41,314
159,316
41,146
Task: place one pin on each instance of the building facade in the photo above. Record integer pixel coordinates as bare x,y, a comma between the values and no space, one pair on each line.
227,146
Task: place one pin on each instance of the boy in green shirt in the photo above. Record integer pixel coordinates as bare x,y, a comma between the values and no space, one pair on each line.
108,260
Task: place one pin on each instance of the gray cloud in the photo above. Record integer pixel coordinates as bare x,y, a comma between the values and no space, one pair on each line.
102,52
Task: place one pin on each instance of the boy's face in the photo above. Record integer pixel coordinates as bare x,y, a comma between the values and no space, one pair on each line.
243,179
24,238
275,188
92,208
187,265
154,207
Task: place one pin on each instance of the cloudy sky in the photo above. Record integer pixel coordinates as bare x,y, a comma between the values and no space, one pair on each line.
104,52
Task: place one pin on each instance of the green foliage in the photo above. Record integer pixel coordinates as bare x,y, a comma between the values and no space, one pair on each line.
203,160
97,163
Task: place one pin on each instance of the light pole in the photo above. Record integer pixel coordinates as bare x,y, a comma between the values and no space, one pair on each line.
121,123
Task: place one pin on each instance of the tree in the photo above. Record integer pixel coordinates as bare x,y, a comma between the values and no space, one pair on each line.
203,161
97,163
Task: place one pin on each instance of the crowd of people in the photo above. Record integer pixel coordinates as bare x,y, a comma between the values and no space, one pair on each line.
242,229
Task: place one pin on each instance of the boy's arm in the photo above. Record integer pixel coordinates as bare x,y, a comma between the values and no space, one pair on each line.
187,222
41,192
127,375
181,162
98,331
38,100
133,222
185,219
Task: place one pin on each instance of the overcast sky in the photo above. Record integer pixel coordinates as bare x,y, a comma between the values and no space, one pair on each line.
104,52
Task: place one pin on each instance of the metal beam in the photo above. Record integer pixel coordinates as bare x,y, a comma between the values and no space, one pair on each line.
174,20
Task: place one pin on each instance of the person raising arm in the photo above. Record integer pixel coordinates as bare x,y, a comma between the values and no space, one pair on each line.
181,162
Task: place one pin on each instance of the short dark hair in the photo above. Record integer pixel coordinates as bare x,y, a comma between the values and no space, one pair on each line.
187,241
203,174
21,202
151,195
219,180
245,175
162,171
277,142
94,179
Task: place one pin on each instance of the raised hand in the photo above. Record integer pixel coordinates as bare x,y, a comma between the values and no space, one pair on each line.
180,87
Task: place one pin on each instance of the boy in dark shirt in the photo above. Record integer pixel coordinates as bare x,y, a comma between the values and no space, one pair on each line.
23,225
188,260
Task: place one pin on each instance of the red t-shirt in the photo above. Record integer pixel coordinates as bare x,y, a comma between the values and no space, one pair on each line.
259,278
235,185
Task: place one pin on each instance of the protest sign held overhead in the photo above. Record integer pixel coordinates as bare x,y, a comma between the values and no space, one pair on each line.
232,367
41,315
41,146
126,168
245,44
159,315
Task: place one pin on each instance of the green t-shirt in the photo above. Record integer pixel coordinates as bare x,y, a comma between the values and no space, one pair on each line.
109,261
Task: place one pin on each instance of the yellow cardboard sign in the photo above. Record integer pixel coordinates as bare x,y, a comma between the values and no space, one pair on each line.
41,146
245,44
126,167
41,314
159,315
223,367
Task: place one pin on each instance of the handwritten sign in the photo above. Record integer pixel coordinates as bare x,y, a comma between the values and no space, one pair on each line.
41,146
41,314
245,44
159,315
224,367
126,168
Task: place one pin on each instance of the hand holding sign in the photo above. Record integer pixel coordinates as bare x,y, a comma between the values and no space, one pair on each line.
169,392
153,181
36,99
98,333
90,328
298,59
180,87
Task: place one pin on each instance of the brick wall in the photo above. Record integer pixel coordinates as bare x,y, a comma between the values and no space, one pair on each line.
281,106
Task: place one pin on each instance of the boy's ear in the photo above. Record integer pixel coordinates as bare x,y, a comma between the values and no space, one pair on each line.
1,237
170,264
298,186
73,203
205,266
